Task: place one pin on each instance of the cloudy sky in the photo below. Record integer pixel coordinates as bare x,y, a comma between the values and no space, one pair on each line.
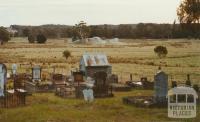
37,12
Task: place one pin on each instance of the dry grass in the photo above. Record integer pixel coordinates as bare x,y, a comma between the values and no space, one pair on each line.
133,56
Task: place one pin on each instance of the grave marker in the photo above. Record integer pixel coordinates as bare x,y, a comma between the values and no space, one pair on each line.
14,69
3,73
88,95
161,87
36,73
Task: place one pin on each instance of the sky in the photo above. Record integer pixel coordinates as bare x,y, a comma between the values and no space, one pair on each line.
70,12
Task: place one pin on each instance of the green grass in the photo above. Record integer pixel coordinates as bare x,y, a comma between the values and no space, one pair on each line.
48,108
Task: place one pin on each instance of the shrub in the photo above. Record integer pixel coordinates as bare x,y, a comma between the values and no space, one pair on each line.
4,35
161,51
66,54
31,39
41,39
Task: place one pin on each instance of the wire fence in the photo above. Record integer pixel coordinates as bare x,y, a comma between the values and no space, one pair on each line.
123,76
180,78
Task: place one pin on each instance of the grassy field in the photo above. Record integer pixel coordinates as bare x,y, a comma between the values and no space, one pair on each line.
48,108
133,56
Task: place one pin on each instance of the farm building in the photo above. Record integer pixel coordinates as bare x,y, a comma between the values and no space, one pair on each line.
93,63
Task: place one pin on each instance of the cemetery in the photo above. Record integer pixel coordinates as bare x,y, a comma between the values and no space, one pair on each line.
113,83
93,80
10,97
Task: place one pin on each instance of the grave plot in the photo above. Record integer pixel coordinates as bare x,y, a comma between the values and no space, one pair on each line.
160,97
58,81
101,86
78,83
142,84
36,84
139,101
12,97
115,85
68,92
63,87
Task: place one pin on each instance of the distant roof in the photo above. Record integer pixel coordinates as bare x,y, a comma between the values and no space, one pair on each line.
97,59
10,30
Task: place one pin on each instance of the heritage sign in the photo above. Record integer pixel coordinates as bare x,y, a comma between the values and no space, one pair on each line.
182,102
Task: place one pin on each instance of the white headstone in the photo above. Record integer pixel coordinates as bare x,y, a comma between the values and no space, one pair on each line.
36,73
88,95
2,80
14,69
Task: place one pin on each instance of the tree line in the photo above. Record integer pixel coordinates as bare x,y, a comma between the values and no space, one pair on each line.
188,15
126,31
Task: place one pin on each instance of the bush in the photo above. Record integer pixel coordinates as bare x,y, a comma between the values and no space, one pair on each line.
4,35
41,39
31,39
161,51
66,54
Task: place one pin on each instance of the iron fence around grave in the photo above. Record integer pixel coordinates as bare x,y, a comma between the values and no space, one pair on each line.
13,99
128,76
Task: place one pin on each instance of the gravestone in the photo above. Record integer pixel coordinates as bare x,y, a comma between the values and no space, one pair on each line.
3,73
78,76
101,86
14,69
36,73
160,87
88,95
188,82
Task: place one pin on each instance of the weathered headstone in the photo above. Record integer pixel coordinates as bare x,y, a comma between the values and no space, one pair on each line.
101,86
14,69
36,73
160,87
78,76
88,95
3,73
188,82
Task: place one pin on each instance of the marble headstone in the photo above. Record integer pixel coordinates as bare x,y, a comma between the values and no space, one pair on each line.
3,73
14,69
88,95
36,72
